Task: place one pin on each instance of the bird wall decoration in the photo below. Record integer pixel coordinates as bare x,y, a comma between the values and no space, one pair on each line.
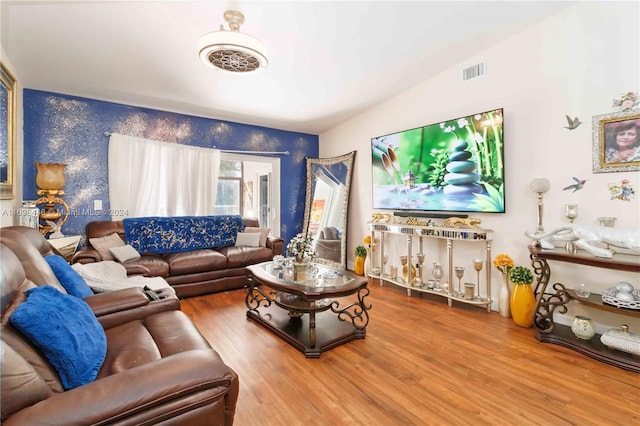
573,123
576,186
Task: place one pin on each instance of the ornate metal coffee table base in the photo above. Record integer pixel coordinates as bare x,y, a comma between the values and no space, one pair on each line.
311,325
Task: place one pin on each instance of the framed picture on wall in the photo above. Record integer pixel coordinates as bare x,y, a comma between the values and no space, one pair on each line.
616,142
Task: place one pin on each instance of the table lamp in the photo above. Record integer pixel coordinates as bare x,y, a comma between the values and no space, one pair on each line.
539,186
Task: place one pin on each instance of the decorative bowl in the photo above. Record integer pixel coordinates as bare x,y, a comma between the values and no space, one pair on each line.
582,291
613,297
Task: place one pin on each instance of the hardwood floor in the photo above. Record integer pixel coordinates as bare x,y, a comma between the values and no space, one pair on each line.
422,363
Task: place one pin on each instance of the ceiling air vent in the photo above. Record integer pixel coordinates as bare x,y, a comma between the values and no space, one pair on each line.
473,71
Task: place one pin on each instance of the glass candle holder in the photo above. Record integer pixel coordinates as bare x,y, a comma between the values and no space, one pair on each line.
394,272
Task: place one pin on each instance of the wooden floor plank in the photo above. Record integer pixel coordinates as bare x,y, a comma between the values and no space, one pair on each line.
422,363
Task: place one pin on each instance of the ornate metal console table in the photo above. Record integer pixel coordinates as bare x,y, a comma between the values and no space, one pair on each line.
559,296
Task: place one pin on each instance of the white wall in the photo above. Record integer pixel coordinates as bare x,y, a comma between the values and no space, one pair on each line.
8,207
573,63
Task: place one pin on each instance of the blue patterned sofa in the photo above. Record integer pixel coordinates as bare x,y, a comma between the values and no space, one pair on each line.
195,255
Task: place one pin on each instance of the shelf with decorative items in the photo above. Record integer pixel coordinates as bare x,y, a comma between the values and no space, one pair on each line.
413,278
616,347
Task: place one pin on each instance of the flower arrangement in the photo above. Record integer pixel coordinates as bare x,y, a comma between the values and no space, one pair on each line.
520,275
503,262
367,240
627,101
301,246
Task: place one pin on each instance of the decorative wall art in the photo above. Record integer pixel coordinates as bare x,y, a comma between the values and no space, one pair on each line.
622,191
627,101
616,142
578,185
572,123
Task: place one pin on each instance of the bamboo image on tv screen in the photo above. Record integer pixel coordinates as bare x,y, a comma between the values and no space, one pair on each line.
453,166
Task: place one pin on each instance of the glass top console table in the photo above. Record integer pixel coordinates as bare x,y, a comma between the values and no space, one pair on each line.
307,314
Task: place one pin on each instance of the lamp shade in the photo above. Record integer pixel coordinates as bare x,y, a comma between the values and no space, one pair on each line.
50,176
540,185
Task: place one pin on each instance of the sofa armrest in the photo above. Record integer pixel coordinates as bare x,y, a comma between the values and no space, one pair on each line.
86,254
117,307
276,244
136,269
150,393
116,301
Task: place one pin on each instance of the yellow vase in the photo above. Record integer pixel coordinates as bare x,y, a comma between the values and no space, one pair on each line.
358,266
523,303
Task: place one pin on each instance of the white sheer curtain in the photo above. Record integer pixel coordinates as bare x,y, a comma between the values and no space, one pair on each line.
151,178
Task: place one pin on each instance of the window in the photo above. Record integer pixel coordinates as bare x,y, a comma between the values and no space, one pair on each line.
229,194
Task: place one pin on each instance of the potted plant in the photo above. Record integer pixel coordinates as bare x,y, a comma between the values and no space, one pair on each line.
523,301
361,255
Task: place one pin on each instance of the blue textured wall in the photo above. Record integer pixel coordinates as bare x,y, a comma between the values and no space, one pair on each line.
67,129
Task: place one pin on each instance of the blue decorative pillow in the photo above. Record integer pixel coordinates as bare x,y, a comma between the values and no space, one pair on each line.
66,331
68,277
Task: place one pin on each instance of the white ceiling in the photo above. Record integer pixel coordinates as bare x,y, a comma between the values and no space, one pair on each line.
329,60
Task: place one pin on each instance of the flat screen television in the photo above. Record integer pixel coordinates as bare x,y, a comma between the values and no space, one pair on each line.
453,166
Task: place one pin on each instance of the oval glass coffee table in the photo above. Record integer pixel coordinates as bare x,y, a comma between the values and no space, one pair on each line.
306,314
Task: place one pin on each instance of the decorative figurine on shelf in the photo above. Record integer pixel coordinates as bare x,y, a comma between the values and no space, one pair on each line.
417,222
588,237
459,222
55,228
381,218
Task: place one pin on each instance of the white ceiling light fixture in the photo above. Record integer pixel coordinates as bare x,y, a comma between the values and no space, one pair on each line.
233,51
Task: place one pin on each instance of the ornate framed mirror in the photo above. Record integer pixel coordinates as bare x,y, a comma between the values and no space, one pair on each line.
327,206
7,132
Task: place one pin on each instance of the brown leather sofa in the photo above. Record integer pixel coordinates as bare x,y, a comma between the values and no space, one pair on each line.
329,245
190,273
158,368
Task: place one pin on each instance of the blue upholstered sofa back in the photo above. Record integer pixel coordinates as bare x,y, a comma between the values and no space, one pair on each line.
181,233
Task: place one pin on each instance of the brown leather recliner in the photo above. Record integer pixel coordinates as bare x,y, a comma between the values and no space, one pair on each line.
158,368
193,272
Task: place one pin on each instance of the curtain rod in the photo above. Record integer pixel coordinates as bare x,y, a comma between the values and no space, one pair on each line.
232,151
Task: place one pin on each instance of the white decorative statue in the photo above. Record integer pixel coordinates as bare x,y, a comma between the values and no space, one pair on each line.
55,228
587,238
